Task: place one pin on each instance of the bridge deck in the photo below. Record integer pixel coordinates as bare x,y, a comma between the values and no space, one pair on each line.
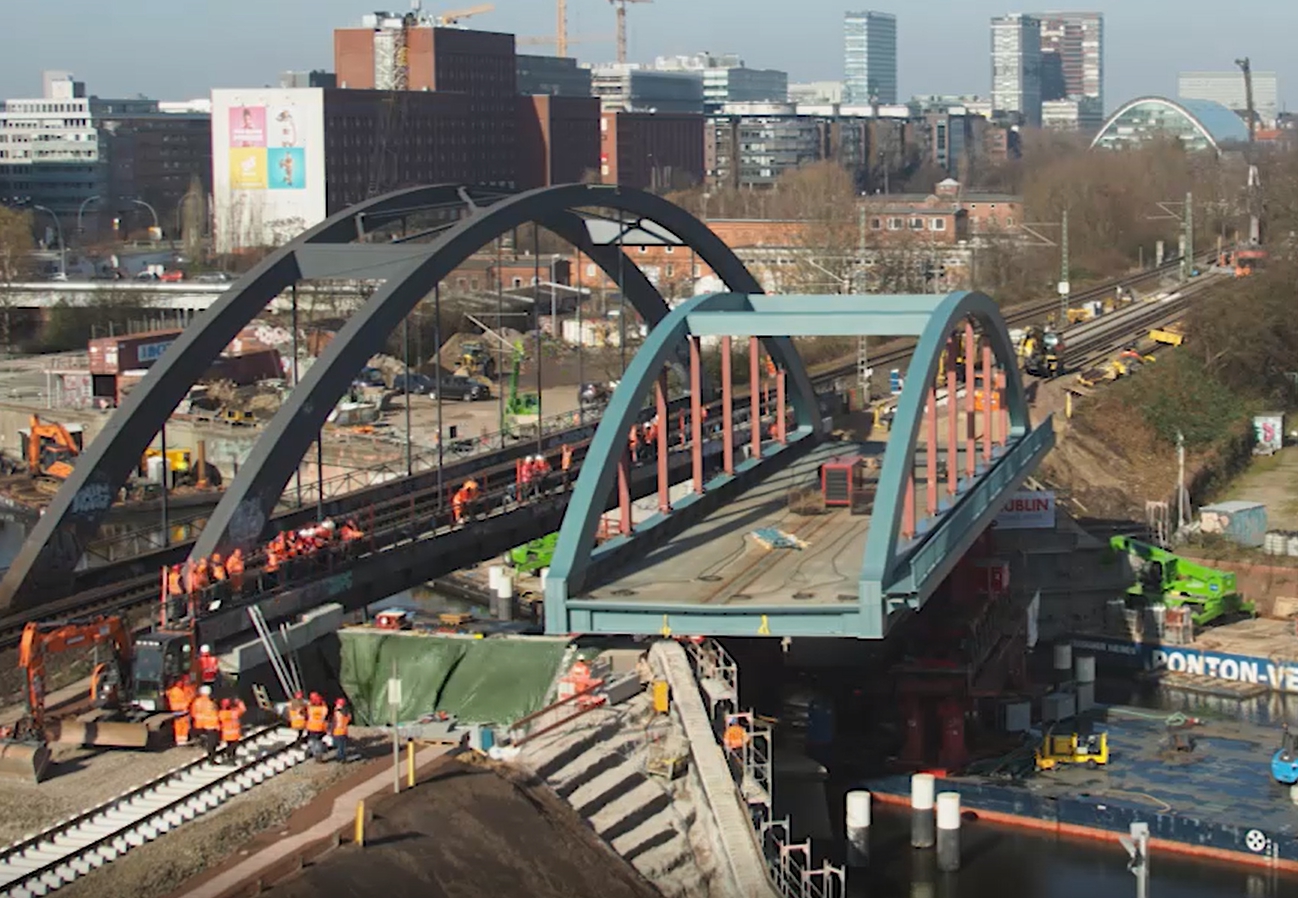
718,561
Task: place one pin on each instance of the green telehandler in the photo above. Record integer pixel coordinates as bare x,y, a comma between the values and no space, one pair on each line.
1163,576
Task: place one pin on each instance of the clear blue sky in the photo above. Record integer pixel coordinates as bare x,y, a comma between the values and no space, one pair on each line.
180,49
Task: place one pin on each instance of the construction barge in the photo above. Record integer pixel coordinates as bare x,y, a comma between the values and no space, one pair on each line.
1215,799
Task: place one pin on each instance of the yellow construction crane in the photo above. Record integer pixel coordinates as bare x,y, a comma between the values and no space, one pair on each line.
568,41
620,5
452,18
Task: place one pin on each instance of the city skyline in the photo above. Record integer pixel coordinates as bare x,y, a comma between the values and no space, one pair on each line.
944,50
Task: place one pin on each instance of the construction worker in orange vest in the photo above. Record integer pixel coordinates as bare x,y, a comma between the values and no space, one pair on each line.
297,715
219,573
317,722
180,696
341,722
565,462
633,442
231,718
234,568
463,496
272,566
209,668
206,720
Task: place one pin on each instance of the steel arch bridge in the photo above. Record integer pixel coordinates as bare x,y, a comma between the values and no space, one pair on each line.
908,549
467,218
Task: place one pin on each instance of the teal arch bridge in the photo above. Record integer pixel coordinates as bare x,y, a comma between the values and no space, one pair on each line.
798,531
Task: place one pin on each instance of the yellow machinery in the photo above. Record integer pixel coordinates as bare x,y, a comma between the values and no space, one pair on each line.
1092,750
1168,336
476,363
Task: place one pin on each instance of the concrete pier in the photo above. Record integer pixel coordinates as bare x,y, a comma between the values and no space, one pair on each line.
922,789
858,828
948,832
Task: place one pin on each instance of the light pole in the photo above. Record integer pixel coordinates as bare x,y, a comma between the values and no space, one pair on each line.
152,211
63,248
81,211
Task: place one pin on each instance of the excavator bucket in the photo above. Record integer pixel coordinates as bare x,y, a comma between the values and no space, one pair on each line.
100,733
24,760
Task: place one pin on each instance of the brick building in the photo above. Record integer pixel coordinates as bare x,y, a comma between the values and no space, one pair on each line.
558,140
651,151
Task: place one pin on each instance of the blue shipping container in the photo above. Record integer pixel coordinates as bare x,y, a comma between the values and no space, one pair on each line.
1240,522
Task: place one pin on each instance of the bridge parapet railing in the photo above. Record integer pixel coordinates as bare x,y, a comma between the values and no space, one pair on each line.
792,868
557,714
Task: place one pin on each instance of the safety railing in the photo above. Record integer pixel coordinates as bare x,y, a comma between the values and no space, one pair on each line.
790,865
557,714
792,868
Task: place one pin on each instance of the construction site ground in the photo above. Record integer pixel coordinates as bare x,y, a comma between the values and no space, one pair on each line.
471,827
159,867
1273,481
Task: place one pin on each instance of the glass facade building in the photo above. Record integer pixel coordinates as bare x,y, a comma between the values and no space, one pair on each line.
870,58
1196,124
1016,66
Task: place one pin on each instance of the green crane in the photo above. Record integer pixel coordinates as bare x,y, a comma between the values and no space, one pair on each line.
1175,581
520,408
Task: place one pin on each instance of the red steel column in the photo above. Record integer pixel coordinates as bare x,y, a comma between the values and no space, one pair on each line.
755,397
908,508
930,447
781,425
696,414
970,347
1003,416
987,403
952,434
727,410
624,492
664,497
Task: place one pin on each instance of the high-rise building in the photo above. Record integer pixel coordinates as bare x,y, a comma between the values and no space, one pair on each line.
1227,88
1016,67
869,58
1072,55
557,76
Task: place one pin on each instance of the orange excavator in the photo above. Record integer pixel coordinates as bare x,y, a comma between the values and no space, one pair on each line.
114,685
52,449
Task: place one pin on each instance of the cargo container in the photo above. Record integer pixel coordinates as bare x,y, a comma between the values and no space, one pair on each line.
1240,522
129,352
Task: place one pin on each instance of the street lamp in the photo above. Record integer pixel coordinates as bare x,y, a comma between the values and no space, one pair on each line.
81,210
152,211
63,247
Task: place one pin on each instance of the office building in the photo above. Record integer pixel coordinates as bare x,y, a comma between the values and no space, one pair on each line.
1016,67
870,58
1194,124
752,144
558,140
651,150
626,87
98,159
1227,88
1072,55
727,80
557,76
284,159
1073,114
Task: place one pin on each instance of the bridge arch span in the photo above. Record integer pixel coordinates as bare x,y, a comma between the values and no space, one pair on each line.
43,567
250,498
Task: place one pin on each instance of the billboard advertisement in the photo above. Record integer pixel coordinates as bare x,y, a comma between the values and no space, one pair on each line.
1027,510
268,165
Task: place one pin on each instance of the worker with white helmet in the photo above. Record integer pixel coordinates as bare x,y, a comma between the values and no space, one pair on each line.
209,668
207,723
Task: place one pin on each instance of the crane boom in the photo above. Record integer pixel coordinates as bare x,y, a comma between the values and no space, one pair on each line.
620,6
1254,183
1247,69
453,17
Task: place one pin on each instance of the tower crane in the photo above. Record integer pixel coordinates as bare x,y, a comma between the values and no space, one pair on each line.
620,5
1254,188
452,18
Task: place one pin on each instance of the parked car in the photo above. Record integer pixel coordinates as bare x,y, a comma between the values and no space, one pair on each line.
368,378
146,275
213,277
417,384
462,388
173,276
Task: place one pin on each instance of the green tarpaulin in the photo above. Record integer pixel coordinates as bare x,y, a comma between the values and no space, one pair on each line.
475,680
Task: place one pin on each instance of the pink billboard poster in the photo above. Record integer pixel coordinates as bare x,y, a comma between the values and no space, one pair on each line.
247,126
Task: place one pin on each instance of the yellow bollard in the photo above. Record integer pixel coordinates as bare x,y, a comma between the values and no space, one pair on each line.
410,764
1068,404
359,836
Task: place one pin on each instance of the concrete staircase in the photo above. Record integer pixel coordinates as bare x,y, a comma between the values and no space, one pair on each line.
597,764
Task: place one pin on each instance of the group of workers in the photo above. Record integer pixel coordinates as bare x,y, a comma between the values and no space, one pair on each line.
311,718
530,481
215,578
292,548
215,725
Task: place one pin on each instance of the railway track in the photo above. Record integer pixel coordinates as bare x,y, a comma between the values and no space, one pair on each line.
1093,341
136,592
45,862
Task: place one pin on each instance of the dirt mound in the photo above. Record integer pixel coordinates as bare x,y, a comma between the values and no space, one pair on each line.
474,828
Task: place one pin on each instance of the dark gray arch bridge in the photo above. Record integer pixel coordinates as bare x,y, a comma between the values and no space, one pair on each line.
344,246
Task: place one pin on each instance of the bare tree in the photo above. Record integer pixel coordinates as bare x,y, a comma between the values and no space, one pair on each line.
15,260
